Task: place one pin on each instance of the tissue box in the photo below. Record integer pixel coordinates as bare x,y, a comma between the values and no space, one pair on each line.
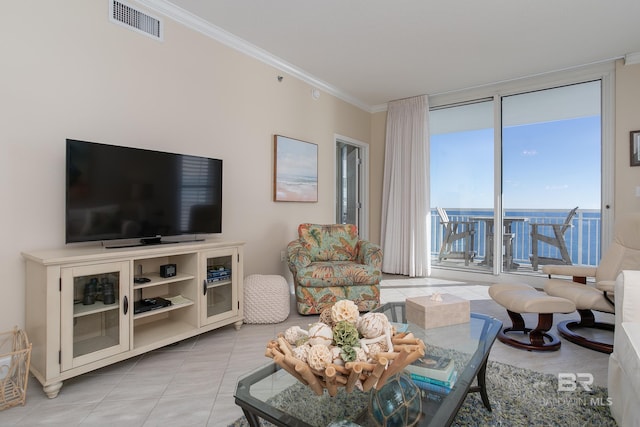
427,314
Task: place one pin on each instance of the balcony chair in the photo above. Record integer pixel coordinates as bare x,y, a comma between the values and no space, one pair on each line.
540,233
454,231
330,263
597,295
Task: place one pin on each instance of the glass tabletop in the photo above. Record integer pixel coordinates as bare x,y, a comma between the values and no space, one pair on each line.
275,395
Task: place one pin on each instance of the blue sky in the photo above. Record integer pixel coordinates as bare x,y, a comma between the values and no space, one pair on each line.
297,158
551,165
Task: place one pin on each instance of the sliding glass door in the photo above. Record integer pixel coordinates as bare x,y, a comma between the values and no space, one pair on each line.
551,164
538,176
461,176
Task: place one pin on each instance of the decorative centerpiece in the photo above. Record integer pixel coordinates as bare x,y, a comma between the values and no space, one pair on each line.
398,403
345,349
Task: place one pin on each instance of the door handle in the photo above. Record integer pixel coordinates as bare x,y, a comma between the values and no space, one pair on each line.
125,305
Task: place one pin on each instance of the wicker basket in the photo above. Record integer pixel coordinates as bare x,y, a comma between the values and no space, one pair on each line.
15,356
371,374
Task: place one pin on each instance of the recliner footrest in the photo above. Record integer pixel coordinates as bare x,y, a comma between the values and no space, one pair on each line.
521,298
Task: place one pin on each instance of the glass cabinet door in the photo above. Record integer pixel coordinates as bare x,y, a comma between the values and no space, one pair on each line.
219,288
95,306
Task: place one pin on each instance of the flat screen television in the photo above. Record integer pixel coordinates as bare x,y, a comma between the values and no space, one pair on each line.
116,193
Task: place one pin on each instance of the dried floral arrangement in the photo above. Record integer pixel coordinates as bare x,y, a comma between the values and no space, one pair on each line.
345,349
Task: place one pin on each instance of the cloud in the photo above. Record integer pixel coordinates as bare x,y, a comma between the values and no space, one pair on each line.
556,187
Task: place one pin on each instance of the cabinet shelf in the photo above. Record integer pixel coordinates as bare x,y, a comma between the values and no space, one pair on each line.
80,310
217,283
184,303
162,329
156,280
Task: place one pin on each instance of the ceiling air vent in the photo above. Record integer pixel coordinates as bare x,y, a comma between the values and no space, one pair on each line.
134,19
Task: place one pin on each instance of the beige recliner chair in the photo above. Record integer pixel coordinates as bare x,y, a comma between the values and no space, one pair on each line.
596,294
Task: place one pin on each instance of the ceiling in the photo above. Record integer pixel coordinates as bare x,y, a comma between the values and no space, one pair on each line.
375,51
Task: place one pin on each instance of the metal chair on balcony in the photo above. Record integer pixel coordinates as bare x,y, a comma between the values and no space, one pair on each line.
453,231
541,232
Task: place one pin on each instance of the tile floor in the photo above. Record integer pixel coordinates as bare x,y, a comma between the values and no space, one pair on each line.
192,383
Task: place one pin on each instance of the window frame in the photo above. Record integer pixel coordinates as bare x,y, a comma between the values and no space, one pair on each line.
604,72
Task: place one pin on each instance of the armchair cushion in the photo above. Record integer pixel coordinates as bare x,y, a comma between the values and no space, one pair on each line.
570,270
336,242
584,296
337,273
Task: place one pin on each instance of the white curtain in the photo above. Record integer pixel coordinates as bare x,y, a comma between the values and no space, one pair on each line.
405,233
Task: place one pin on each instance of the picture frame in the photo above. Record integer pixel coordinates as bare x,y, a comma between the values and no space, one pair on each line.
634,148
295,171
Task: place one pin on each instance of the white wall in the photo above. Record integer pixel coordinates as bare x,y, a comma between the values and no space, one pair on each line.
627,178
68,72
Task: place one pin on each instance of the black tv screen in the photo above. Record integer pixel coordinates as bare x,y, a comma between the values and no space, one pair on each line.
115,192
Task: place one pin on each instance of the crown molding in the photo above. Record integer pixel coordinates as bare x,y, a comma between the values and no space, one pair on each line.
196,23
632,58
379,108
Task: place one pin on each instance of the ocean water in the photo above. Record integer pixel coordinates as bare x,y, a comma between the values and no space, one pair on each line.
301,188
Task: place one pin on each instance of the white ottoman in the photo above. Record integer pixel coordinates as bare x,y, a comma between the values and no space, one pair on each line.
266,299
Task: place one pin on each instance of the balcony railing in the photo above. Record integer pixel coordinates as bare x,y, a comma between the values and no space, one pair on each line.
582,238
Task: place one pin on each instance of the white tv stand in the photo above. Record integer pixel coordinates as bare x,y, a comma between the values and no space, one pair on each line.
72,335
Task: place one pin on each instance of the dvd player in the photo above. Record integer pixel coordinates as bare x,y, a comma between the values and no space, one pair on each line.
149,304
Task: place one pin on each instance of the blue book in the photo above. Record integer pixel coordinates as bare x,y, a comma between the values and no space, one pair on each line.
431,366
450,382
423,385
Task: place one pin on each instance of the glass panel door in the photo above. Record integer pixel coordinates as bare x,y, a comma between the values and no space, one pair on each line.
348,202
219,288
462,176
94,312
551,163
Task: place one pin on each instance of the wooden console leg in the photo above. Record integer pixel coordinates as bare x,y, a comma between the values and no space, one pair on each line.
237,325
52,390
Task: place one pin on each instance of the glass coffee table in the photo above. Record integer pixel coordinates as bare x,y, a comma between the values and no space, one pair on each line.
275,395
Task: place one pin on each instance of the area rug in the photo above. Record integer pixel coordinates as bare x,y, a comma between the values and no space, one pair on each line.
518,397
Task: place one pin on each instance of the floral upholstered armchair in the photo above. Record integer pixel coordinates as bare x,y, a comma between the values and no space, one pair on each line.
330,263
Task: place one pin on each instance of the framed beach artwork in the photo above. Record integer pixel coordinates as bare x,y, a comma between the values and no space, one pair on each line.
635,148
295,170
